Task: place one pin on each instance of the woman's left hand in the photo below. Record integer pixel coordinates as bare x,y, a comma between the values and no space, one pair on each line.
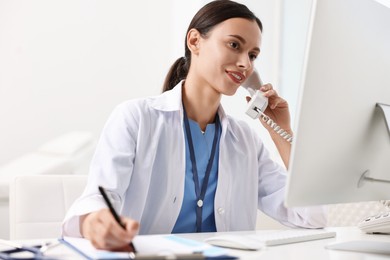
277,109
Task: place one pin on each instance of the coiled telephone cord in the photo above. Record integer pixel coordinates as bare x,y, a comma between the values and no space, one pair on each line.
280,131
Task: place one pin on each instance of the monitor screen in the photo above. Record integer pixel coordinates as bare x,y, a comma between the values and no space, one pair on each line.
340,134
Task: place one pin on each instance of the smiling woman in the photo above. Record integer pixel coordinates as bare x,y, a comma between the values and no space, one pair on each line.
176,162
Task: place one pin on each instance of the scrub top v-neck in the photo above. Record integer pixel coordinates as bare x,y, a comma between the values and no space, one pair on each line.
202,143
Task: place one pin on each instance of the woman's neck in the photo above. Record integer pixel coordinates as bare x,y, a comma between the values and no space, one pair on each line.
201,102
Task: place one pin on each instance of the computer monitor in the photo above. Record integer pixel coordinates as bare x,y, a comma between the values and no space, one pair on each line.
340,133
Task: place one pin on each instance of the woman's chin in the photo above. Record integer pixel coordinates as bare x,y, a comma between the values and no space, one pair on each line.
230,91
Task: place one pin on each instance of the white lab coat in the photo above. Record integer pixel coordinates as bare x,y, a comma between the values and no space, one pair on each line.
140,160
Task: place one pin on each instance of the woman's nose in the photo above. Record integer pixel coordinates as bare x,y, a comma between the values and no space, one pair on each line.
244,62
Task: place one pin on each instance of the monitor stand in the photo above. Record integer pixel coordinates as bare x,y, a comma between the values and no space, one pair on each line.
386,114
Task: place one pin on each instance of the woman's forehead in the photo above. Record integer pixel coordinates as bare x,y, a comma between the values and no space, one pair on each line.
249,30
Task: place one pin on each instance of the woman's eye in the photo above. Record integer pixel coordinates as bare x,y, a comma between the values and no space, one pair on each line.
252,56
234,45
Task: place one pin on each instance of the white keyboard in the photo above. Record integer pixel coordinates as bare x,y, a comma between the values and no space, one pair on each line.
274,238
379,223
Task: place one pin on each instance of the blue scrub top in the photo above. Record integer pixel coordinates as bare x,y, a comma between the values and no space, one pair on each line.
186,222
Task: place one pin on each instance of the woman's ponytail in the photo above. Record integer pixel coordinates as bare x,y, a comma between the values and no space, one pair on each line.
177,73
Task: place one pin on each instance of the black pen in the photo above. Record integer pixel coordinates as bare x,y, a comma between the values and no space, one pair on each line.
113,212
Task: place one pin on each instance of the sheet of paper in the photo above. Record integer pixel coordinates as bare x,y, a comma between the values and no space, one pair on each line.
86,249
148,244
171,244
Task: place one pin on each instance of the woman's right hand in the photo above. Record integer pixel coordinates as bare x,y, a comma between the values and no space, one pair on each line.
101,228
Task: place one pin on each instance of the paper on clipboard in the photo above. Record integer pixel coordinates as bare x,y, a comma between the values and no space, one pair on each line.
84,247
148,245
172,244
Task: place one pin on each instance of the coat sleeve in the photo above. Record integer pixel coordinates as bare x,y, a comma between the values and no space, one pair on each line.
272,186
111,167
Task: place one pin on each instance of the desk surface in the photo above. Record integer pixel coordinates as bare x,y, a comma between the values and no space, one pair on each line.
305,250
311,249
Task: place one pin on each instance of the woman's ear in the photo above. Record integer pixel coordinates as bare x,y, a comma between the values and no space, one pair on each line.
193,39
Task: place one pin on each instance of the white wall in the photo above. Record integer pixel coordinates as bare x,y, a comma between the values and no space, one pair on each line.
295,26
65,64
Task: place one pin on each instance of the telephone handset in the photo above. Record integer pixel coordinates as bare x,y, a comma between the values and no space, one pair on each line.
259,103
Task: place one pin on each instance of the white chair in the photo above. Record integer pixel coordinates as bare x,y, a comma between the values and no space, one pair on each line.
70,153
38,204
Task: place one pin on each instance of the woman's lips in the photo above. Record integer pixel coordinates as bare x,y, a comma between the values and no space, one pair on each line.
236,76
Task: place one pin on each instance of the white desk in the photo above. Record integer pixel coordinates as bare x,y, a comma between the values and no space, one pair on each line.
306,250
311,249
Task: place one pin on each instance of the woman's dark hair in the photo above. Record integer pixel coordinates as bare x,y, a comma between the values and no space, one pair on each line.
204,20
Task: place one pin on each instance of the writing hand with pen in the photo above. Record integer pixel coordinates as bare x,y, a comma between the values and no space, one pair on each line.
106,230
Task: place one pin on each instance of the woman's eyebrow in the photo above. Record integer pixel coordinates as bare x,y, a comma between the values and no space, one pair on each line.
243,41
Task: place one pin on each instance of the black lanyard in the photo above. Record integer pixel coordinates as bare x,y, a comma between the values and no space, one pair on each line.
200,194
